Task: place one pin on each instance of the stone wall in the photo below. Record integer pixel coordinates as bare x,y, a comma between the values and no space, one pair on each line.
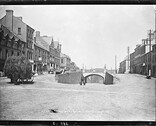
70,78
108,78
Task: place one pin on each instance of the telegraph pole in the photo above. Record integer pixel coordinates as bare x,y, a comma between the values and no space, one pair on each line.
115,65
149,68
155,21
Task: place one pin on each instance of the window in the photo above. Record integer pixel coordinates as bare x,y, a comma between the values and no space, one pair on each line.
0,53
6,54
12,53
61,60
19,31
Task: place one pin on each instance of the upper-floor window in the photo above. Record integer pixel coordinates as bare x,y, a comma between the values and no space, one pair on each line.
19,31
61,60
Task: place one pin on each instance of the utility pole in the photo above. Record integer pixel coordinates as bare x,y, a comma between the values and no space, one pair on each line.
149,69
115,65
155,21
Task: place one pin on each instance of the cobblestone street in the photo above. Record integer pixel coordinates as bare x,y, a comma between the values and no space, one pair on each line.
131,98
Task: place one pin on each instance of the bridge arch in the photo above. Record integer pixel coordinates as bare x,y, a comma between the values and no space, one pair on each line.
92,74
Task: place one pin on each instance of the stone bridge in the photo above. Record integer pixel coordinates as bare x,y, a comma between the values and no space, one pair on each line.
86,75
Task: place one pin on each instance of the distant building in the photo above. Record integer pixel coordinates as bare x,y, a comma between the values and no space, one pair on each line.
54,51
73,66
41,53
10,44
122,67
143,60
154,60
65,61
21,29
137,64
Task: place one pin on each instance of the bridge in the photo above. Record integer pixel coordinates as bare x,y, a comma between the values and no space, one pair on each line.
86,75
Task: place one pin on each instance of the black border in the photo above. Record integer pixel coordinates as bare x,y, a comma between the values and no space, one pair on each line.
75,123
29,2
78,123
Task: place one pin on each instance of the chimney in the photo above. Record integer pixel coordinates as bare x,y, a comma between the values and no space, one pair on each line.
60,47
20,18
9,19
37,33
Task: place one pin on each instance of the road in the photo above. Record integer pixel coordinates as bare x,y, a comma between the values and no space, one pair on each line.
131,98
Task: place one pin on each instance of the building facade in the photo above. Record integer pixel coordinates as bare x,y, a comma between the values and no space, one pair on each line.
143,59
122,67
41,54
54,51
10,44
21,29
65,61
154,60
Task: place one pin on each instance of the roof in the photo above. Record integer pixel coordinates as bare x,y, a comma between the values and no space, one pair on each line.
64,55
49,39
41,43
11,34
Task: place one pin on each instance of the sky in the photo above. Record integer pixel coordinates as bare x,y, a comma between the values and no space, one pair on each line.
91,35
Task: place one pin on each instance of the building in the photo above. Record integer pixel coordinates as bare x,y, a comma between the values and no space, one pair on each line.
10,44
41,54
73,66
154,60
142,60
139,65
21,29
122,67
65,61
54,51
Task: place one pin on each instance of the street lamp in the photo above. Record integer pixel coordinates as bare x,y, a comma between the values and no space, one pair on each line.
40,63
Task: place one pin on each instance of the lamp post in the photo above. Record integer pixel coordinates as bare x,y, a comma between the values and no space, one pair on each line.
40,63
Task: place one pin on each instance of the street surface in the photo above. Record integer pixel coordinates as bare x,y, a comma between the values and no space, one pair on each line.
131,98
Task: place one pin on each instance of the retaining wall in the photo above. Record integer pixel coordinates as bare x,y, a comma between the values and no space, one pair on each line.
70,78
108,78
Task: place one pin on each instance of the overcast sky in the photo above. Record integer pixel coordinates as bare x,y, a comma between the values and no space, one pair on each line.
90,34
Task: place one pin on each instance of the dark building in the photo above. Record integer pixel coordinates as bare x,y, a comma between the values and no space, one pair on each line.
138,59
54,51
142,60
41,54
122,67
154,60
21,29
10,44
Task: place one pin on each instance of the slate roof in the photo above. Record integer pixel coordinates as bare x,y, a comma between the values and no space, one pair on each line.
49,39
64,55
11,34
41,43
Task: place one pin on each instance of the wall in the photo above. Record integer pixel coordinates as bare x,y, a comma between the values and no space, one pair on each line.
17,23
70,78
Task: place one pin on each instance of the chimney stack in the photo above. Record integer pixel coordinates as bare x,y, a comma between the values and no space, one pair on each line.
37,33
9,19
20,18
60,47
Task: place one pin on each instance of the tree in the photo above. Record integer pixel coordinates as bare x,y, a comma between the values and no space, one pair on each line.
17,68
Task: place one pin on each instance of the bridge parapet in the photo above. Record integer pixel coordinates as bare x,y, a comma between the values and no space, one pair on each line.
87,74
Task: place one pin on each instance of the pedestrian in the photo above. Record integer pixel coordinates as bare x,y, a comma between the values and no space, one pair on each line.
82,80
